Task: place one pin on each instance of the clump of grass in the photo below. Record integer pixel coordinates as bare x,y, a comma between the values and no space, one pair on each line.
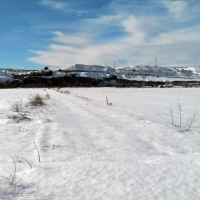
11,177
47,96
18,118
36,101
16,106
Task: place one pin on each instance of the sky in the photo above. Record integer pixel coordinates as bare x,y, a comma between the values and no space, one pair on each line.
61,33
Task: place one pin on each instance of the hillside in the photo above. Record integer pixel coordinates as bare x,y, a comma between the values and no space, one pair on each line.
145,73
95,75
4,76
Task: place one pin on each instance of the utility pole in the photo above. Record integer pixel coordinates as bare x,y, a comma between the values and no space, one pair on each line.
156,61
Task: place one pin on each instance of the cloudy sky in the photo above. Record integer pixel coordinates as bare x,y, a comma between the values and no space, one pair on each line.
60,33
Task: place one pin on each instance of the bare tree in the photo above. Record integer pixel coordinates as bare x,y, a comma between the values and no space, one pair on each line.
190,120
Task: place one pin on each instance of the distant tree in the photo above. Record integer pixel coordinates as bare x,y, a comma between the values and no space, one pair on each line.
46,68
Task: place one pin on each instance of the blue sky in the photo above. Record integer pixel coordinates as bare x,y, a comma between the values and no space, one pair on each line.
60,33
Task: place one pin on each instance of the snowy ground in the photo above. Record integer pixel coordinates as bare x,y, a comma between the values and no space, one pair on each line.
126,151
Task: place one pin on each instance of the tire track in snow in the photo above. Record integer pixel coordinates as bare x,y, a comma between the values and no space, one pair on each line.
108,155
90,128
118,146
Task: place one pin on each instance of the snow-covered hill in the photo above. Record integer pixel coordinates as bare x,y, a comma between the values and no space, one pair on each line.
91,68
144,73
4,76
156,73
137,73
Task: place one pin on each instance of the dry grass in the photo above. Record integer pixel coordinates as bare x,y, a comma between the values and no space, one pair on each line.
36,101
47,96
16,106
18,118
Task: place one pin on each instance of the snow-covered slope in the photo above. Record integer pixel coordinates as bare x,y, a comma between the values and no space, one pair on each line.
128,150
4,76
141,73
138,73
157,73
91,68
188,70
92,71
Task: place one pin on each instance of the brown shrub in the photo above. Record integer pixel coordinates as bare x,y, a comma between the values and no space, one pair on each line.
36,100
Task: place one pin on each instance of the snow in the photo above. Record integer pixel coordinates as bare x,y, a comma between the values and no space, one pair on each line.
158,73
138,73
4,76
95,75
90,68
128,150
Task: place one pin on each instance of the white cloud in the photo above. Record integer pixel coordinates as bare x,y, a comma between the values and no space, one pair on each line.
169,48
52,4
70,39
132,26
106,19
139,28
178,36
65,54
80,12
136,29
178,9
142,38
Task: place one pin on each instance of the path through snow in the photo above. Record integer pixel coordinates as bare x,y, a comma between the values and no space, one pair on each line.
93,151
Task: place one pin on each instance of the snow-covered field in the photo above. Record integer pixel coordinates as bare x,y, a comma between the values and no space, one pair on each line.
89,150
